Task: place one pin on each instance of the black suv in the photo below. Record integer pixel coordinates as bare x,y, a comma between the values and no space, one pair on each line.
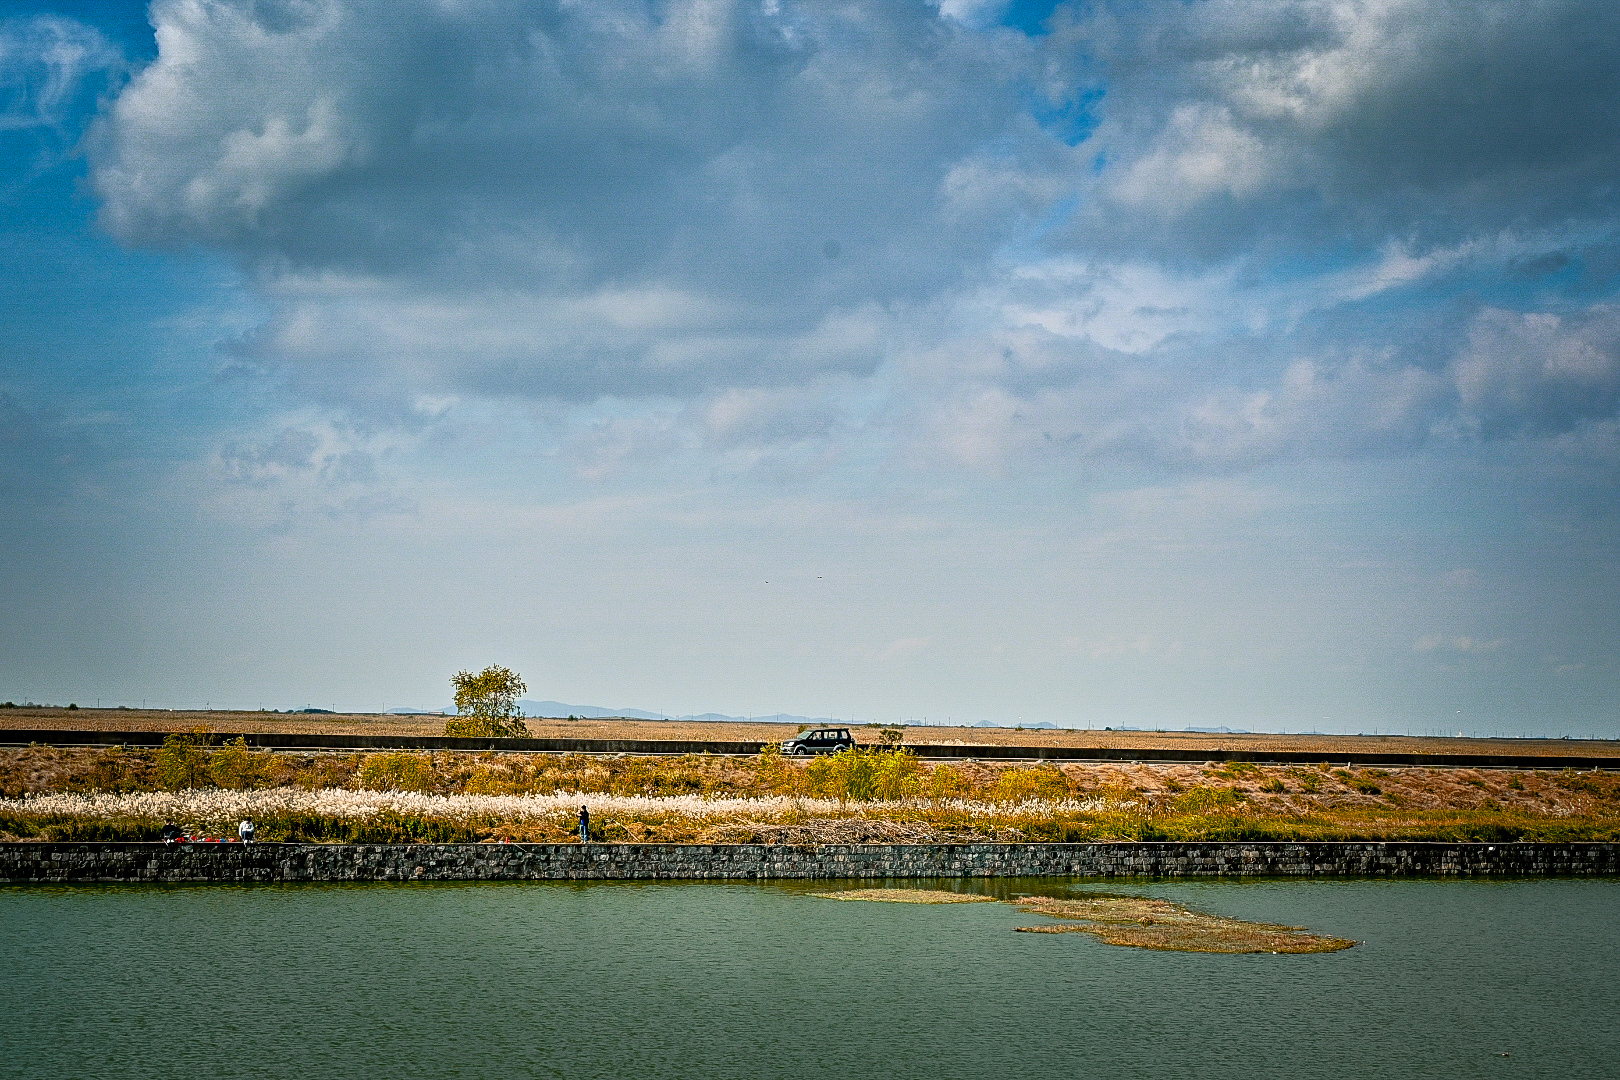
820,741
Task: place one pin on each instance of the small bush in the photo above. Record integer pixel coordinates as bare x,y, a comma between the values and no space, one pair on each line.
397,772
1029,785
861,775
1205,800
896,775
182,762
847,775
486,727
235,766
946,781
774,774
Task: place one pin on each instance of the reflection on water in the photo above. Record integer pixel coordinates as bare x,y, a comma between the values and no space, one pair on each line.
741,980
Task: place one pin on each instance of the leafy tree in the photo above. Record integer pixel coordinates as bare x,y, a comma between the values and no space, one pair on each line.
487,704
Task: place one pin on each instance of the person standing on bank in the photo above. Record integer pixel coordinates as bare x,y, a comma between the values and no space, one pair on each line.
584,825
244,831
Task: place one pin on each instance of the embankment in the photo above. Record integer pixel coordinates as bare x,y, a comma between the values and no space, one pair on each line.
68,863
674,747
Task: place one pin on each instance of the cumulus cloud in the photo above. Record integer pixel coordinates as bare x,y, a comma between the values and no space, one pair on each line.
1199,236
657,185
313,466
1540,371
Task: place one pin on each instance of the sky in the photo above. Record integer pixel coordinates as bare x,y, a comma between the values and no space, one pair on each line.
1224,362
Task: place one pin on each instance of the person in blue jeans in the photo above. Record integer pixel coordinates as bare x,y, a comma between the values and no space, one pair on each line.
584,825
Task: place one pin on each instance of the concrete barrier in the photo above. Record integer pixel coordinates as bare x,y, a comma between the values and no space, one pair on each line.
223,863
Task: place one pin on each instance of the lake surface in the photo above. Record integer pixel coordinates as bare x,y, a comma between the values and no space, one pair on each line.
708,980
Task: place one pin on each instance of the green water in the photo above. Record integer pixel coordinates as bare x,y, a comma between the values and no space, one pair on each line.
716,980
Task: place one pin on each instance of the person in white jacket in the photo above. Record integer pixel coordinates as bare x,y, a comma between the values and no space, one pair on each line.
245,830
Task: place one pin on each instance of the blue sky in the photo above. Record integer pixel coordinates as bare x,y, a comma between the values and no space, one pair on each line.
1229,362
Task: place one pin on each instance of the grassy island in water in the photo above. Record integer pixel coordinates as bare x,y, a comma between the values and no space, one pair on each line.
1144,922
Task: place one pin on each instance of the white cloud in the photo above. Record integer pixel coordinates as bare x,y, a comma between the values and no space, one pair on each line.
542,179
46,63
1429,643
805,234
1540,370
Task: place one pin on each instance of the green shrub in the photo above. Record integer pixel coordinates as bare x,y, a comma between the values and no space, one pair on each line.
772,771
235,766
896,776
1042,783
946,781
397,772
1206,800
182,762
858,775
847,775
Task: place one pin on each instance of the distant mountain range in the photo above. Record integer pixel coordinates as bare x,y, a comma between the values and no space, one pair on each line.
548,709
596,712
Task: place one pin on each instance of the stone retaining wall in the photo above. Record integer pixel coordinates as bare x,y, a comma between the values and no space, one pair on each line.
63,863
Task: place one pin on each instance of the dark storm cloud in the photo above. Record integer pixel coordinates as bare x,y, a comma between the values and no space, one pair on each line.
1238,126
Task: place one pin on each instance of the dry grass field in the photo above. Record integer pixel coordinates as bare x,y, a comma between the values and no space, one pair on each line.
1328,746
867,796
